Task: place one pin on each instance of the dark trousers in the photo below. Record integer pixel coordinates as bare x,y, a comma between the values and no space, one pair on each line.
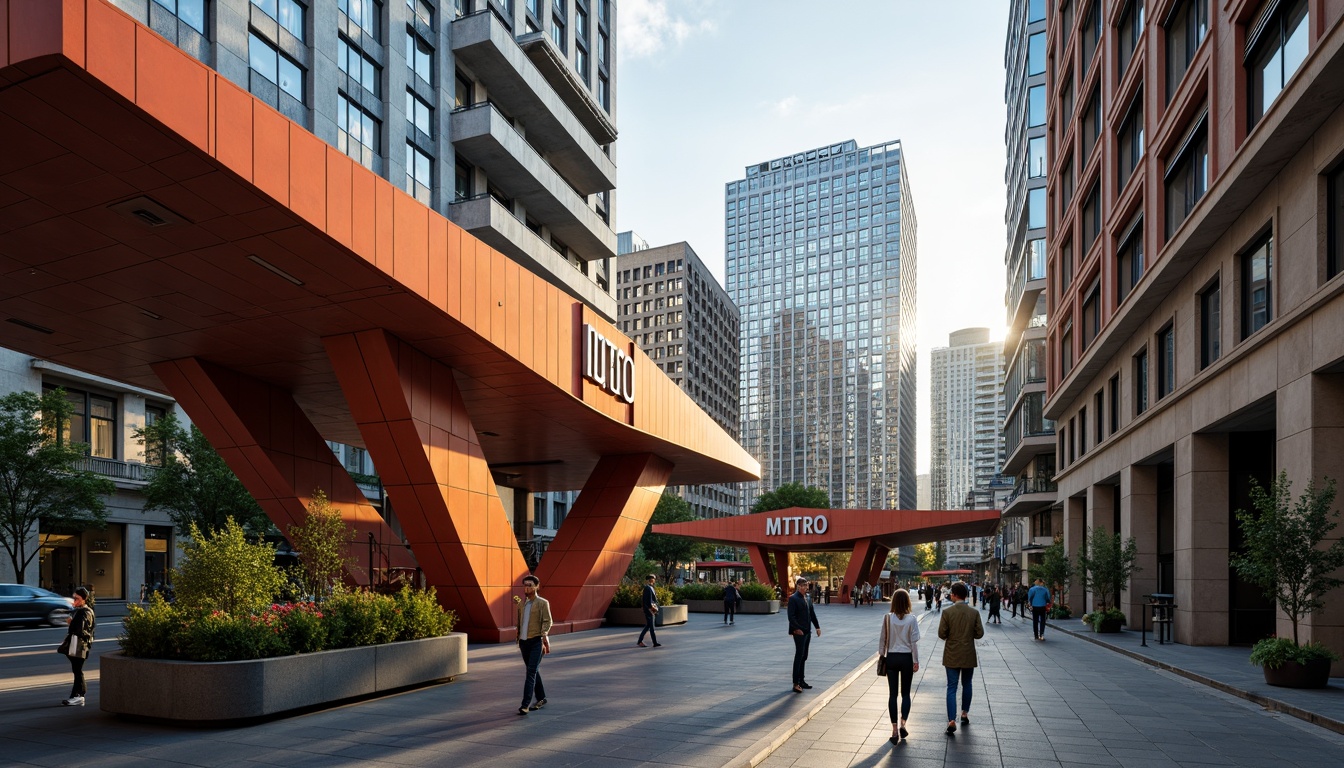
900,671
729,611
531,650
964,675
1038,620
800,644
648,627
994,613
77,666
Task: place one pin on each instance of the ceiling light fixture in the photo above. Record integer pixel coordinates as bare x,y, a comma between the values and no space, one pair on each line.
264,264
30,326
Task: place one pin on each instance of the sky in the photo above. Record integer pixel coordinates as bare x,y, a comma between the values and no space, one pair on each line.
704,89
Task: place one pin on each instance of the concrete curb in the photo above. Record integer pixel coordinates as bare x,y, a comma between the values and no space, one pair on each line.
1273,705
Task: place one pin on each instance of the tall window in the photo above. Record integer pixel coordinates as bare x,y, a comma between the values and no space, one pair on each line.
1098,408
1187,177
1129,262
190,12
1065,23
1092,314
1186,28
1036,208
1065,187
1035,11
1113,395
558,24
419,169
1091,218
604,93
1257,286
1065,267
1036,259
354,63
1091,127
1166,361
1065,105
1334,248
1066,349
1141,381
1035,106
1131,142
154,449
419,114
1210,325
1036,54
1036,157
93,421
462,180
419,57
1129,30
424,11
1274,51
1082,431
461,91
358,133
288,12
1091,35
266,61
364,14
581,42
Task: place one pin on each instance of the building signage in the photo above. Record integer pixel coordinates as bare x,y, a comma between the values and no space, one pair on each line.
793,526
607,365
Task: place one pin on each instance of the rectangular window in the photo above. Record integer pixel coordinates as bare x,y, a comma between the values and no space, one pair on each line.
1065,23
1036,157
419,169
1082,431
1099,414
358,133
1129,262
1035,11
1166,361
1091,126
154,449
1066,187
1036,54
1091,34
1141,382
1066,350
1186,28
288,12
462,181
1092,314
1065,105
1274,51
365,14
1130,151
190,12
1035,106
1334,222
419,57
1036,259
1187,177
424,11
1257,286
558,25
1091,218
1065,267
1036,208
1210,325
1129,30
1113,394
419,114
266,61
461,91
353,62
604,93
93,422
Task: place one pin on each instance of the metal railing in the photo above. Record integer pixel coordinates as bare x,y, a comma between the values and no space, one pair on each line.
1031,485
118,470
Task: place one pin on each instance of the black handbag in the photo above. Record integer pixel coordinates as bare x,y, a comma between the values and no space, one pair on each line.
882,659
64,647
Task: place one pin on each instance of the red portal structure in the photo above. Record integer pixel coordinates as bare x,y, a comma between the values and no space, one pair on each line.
868,534
285,295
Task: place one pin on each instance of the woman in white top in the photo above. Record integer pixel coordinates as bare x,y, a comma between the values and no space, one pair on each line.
900,633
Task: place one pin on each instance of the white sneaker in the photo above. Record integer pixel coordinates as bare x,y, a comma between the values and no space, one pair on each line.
74,701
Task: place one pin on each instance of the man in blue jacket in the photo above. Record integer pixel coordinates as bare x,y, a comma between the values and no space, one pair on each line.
800,615
1039,599
650,601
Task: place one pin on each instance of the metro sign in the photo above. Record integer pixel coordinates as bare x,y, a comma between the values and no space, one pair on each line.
793,526
607,365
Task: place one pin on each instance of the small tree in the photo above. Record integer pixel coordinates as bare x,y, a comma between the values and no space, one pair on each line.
223,571
667,549
1054,568
41,478
1283,553
323,542
1105,565
926,556
792,495
830,562
193,484
640,567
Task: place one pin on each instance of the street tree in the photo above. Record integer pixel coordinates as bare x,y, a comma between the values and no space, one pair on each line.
1105,565
192,483
43,482
667,550
792,495
926,556
323,542
223,571
830,562
1054,569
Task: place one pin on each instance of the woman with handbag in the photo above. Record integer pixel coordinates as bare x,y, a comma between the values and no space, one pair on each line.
898,659
78,641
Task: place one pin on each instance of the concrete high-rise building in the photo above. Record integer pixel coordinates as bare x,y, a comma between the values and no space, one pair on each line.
923,492
1195,258
1029,437
966,387
669,303
821,255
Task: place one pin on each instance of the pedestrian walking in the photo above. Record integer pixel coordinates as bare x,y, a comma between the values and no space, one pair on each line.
959,628
534,627
994,601
928,597
899,644
1039,598
938,597
78,641
731,596
650,602
801,614
877,592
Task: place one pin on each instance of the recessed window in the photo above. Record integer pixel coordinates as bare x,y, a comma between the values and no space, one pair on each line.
1082,431
1187,177
1098,401
266,61
462,180
1166,361
1130,137
1141,381
190,12
604,93
1186,28
1129,30
419,169
1065,267
1091,34
558,25
1065,23
424,11
1066,349
1113,395
288,12
1036,208
1091,218
1035,106
1210,325
1036,54
353,62
1092,314
1066,187
1129,262
419,57
1257,284
461,91
1334,248
419,114
358,133
1276,47
364,14
1036,157
1091,126
1035,11
1066,105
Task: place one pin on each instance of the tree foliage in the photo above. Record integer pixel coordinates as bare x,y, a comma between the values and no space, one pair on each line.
667,550
323,542
792,495
1105,565
223,571
926,556
42,478
640,567
1283,553
830,562
1054,569
194,485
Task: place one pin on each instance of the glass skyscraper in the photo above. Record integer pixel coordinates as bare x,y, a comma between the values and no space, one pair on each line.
820,251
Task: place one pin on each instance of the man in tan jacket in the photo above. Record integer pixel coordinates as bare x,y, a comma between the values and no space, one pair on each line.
959,628
534,626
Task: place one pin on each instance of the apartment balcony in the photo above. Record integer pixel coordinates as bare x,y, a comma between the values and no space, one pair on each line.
492,223
485,138
1029,496
554,66
1027,433
126,474
485,44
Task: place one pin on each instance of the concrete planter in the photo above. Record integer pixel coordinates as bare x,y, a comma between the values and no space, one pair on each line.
194,691
716,606
634,617
759,606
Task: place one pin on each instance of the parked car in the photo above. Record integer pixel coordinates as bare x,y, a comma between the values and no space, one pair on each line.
22,604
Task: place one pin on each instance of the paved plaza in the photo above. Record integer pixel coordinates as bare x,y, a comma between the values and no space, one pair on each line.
714,696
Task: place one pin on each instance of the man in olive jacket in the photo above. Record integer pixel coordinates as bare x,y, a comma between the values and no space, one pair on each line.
959,628
534,627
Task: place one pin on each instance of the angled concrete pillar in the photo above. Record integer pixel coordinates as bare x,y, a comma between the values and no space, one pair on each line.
419,435
583,566
275,450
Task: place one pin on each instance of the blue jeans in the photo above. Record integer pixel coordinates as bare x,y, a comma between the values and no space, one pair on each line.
964,674
531,650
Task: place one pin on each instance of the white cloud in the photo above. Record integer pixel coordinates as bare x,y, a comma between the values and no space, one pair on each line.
645,27
785,106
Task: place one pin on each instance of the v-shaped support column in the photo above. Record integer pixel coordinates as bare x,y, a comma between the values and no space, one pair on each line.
273,448
760,562
418,433
593,547
879,560
861,563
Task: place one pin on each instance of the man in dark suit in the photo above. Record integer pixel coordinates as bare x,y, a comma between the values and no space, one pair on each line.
650,601
801,615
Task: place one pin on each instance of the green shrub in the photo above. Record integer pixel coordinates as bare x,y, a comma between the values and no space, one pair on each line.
361,618
628,595
421,615
755,590
151,633
1095,618
223,571
1061,612
301,627
1272,652
217,636
697,592
662,594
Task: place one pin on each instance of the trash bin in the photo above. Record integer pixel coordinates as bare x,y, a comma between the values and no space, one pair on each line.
1161,607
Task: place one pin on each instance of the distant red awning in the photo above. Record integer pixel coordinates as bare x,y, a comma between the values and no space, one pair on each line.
721,564
957,572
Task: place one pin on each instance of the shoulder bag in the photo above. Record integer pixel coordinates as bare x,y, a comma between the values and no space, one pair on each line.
882,658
